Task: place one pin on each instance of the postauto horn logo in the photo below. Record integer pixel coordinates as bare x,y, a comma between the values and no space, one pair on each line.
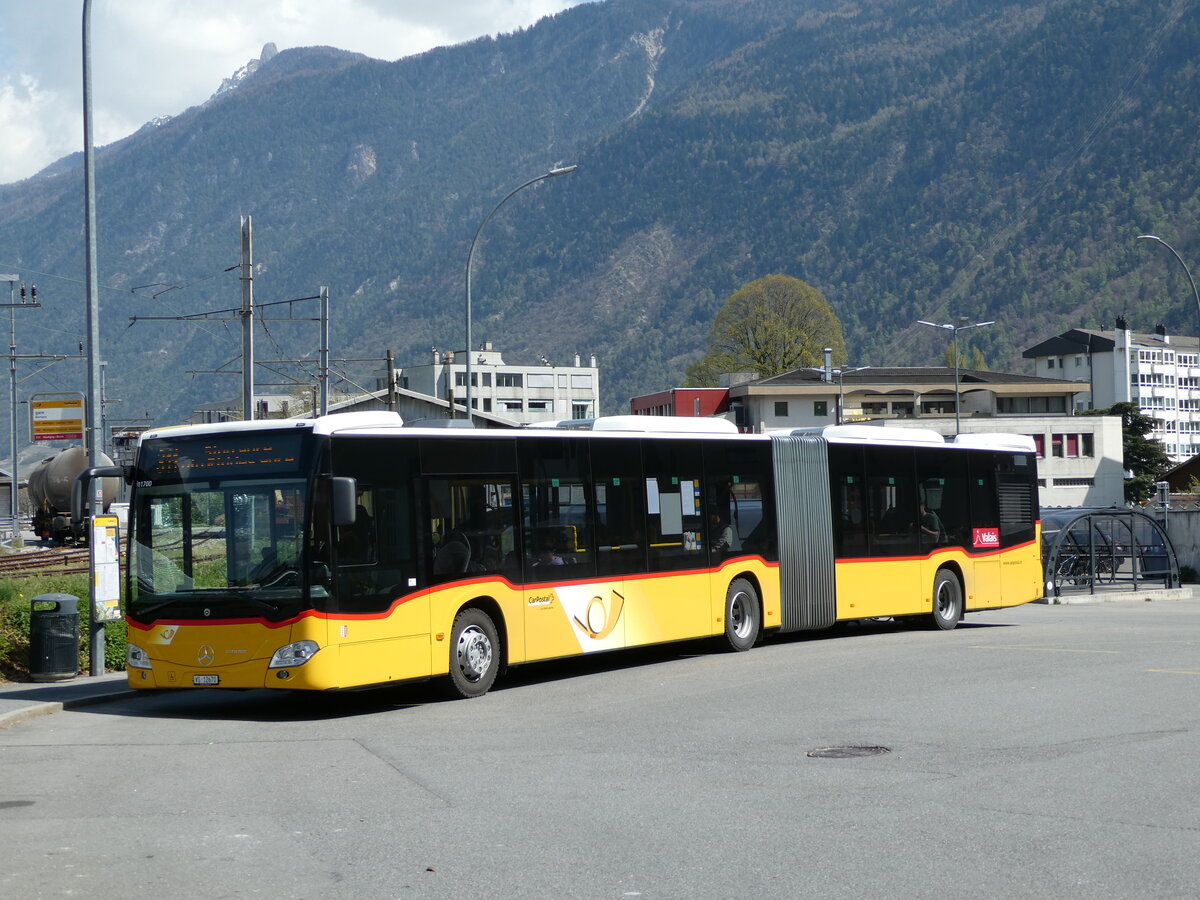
600,618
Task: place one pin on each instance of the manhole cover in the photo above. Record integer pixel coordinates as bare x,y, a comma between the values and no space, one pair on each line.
846,752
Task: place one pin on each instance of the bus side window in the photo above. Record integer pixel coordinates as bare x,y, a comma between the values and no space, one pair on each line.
891,502
674,512
470,520
942,485
356,543
620,506
556,513
849,502
737,479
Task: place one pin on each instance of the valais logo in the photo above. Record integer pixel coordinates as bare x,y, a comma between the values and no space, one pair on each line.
986,537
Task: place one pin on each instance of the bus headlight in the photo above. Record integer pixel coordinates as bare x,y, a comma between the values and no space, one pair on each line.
136,657
294,654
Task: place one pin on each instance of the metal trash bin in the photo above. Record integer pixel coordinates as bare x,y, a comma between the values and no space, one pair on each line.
54,637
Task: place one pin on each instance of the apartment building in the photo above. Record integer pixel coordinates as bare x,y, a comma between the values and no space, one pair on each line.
520,394
1080,457
1158,372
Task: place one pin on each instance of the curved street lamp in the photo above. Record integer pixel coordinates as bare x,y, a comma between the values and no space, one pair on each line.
1157,239
959,324
553,173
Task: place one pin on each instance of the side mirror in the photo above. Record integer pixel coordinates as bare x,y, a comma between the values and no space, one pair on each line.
345,499
79,502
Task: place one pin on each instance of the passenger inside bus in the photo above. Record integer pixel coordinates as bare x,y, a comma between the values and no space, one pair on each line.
931,526
720,534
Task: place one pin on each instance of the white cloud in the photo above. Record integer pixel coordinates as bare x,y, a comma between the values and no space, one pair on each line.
158,57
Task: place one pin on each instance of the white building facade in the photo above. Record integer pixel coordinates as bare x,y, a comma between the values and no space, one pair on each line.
1157,372
1080,458
522,394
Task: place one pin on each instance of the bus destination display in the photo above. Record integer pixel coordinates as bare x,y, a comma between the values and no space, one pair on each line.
185,459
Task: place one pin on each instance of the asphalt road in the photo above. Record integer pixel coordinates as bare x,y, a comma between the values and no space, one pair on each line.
1034,752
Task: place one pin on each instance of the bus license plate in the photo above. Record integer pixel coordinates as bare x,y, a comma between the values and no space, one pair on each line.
206,679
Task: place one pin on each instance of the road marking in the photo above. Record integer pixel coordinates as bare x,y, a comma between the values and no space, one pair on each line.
1041,649
1176,671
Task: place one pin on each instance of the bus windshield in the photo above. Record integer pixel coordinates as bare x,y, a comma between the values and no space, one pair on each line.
206,543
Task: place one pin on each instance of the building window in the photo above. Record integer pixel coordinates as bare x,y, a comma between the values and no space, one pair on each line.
508,379
1031,405
1050,364
581,382
541,406
1074,482
579,410
511,405
1056,446
820,408
696,406
540,380
781,409
875,409
487,379
937,407
460,379
1087,445
1039,443
487,404
902,409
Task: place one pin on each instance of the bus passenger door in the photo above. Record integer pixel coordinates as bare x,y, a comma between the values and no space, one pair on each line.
566,610
984,543
381,617
578,604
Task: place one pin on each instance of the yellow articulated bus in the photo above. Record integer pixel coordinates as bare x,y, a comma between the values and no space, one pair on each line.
349,551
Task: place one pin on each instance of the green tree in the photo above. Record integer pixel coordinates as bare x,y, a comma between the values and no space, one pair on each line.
768,326
1145,457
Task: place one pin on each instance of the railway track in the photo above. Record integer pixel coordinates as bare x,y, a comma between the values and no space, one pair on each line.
56,561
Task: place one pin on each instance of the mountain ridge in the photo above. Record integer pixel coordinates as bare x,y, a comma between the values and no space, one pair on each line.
909,161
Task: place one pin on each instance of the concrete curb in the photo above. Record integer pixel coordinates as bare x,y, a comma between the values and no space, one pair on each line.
21,702
1111,596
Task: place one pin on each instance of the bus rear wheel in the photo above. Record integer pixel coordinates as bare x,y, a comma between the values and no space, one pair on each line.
474,654
947,600
743,615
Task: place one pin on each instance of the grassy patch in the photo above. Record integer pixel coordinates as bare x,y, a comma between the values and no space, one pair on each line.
16,595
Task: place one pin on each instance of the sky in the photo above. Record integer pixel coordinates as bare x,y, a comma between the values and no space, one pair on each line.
153,58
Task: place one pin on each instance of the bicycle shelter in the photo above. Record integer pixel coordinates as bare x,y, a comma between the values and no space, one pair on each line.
1090,547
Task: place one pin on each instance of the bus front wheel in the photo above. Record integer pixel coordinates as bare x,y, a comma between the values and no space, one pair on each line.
947,600
474,654
743,615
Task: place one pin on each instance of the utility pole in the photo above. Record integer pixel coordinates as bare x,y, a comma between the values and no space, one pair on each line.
391,380
324,293
14,493
247,316
246,312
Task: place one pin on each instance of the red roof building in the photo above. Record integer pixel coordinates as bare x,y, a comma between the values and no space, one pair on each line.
689,402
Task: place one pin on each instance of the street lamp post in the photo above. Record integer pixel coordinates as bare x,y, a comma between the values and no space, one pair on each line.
553,173
841,374
1191,281
959,324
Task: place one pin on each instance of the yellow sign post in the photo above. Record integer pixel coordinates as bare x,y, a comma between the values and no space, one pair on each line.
56,417
106,568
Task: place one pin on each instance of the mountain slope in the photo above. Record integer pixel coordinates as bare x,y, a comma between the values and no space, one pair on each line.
911,160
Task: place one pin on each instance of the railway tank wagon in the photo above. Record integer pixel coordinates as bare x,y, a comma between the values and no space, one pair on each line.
49,489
